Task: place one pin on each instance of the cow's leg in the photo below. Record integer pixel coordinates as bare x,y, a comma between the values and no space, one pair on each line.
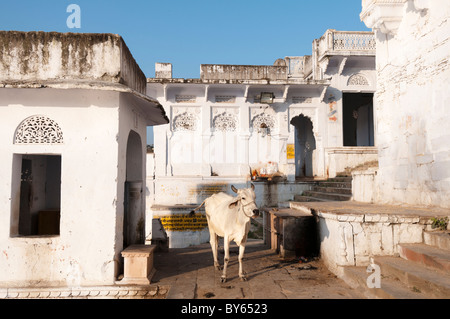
226,248
241,266
214,241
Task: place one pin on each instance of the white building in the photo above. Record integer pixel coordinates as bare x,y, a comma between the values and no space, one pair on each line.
73,120
307,116
412,101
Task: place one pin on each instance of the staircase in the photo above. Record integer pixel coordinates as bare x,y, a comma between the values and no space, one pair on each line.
333,189
422,271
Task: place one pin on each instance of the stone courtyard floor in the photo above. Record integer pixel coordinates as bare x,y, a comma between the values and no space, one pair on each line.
190,274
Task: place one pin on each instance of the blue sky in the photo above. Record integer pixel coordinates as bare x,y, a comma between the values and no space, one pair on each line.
189,33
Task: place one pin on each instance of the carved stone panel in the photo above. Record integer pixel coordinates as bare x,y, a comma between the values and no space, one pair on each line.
185,122
38,129
225,122
226,99
301,99
263,123
185,98
357,79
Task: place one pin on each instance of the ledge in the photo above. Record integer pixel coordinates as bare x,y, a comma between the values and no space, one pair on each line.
385,15
155,114
351,211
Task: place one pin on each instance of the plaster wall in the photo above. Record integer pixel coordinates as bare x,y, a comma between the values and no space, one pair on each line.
351,240
412,105
85,252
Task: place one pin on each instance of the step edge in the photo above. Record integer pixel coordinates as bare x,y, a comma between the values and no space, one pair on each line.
426,255
411,277
356,278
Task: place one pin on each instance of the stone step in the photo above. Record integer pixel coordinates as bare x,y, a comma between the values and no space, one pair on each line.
356,277
340,179
327,196
430,282
333,190
426,255
439,239
283,204
303,198
334,184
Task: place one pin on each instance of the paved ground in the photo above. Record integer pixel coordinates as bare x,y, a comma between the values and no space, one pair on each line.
190,274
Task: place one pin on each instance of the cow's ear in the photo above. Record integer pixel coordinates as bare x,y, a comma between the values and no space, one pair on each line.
253,186
234,189
233,204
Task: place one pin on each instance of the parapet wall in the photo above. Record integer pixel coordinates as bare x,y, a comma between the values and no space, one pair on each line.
242,72
51,57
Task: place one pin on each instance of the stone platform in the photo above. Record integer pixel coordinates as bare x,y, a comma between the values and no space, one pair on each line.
355,235
351,232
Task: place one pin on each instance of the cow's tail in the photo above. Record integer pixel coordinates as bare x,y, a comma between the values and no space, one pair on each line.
196,209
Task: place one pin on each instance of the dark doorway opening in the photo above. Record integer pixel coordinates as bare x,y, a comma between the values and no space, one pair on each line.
305,144
134,210
358,126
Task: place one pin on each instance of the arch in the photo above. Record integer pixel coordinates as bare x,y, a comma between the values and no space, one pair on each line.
134,212
305,145
38,129
134,157
310,112
357,79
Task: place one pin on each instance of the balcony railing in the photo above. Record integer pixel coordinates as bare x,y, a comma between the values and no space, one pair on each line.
354,41
346,42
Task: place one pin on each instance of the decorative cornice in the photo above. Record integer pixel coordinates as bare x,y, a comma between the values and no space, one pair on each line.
385,15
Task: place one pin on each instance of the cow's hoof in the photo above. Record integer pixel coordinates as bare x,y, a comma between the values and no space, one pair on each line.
243,278
223,279
218,267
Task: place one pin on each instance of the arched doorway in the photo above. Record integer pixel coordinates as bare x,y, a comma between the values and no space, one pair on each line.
305,144
134,212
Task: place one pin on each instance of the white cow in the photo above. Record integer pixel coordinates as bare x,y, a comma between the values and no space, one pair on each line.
229,217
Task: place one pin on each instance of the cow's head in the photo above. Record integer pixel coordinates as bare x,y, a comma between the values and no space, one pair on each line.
246,197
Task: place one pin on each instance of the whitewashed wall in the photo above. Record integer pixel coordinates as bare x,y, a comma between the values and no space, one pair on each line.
413,51
92,176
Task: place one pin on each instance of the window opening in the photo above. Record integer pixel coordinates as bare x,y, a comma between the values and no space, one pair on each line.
40,195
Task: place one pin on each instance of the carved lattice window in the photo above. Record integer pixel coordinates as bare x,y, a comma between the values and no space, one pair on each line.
185,122
38,129
225,122
263,123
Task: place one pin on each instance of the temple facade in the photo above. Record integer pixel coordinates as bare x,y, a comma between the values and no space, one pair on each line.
302,118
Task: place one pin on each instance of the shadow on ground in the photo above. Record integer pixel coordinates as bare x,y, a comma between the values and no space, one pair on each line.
190,274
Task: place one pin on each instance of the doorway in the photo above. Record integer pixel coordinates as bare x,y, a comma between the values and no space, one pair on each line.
134,207
358,126
305,144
